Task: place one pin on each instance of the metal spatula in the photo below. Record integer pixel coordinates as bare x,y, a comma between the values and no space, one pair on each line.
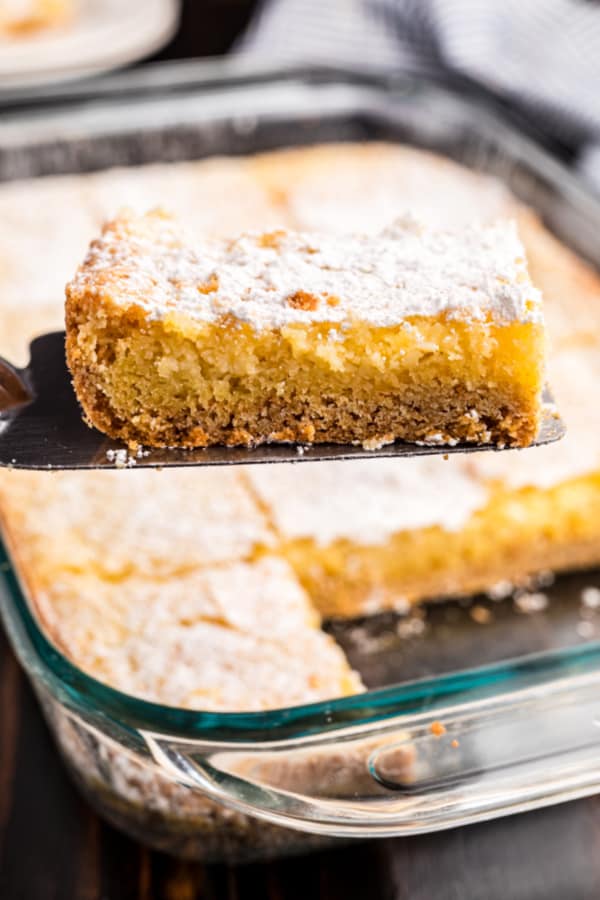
41,427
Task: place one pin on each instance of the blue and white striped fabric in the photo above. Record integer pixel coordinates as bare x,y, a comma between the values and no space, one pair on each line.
541,56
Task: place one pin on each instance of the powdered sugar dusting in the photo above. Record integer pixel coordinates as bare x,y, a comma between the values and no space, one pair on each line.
272,280
238,637
139,520
367,503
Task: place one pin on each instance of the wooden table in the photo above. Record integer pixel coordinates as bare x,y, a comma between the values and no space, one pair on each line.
53,847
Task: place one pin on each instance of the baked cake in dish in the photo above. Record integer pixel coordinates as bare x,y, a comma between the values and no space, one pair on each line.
359,537
364,538
98,551
414,333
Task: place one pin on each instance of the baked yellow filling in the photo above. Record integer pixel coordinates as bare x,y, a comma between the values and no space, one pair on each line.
514,534
179,382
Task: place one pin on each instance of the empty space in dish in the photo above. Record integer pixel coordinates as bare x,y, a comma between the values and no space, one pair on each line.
438,638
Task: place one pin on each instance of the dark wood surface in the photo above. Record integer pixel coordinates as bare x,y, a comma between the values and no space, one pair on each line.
53,847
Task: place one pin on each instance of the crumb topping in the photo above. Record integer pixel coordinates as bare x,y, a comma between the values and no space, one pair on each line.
409,269
437,729
303,300
210,286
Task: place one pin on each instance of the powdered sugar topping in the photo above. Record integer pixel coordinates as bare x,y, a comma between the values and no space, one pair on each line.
279,278
366,502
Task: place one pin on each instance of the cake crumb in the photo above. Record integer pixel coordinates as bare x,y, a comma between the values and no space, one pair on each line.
368,643
303,300
586,629
481,614
211,286
437,729
590,597
500,591
376,443
531,603
271,239
413,626
121,458
545,578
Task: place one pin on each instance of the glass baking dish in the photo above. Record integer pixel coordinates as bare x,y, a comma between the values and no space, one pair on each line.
461,723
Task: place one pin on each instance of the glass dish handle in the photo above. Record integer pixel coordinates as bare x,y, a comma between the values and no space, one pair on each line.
410,773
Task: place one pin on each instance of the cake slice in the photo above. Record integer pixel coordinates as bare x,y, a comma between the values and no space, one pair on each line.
414,334
364,538
236,637
121,523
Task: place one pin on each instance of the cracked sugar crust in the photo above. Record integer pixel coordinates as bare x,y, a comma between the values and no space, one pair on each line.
216,668
278,278
138,521
237,637
262,598
366,502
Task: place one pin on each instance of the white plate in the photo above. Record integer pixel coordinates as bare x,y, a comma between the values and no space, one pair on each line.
103,35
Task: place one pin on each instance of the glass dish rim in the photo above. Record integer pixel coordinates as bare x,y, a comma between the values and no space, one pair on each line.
71,684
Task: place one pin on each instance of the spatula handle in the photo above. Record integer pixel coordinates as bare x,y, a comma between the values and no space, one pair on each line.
14,390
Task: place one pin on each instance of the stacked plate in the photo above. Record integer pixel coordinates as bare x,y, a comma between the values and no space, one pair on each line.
101,35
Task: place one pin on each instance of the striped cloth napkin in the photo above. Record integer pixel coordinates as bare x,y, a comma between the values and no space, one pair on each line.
540,57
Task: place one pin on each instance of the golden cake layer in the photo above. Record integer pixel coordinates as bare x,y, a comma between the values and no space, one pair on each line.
414,333
508,514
